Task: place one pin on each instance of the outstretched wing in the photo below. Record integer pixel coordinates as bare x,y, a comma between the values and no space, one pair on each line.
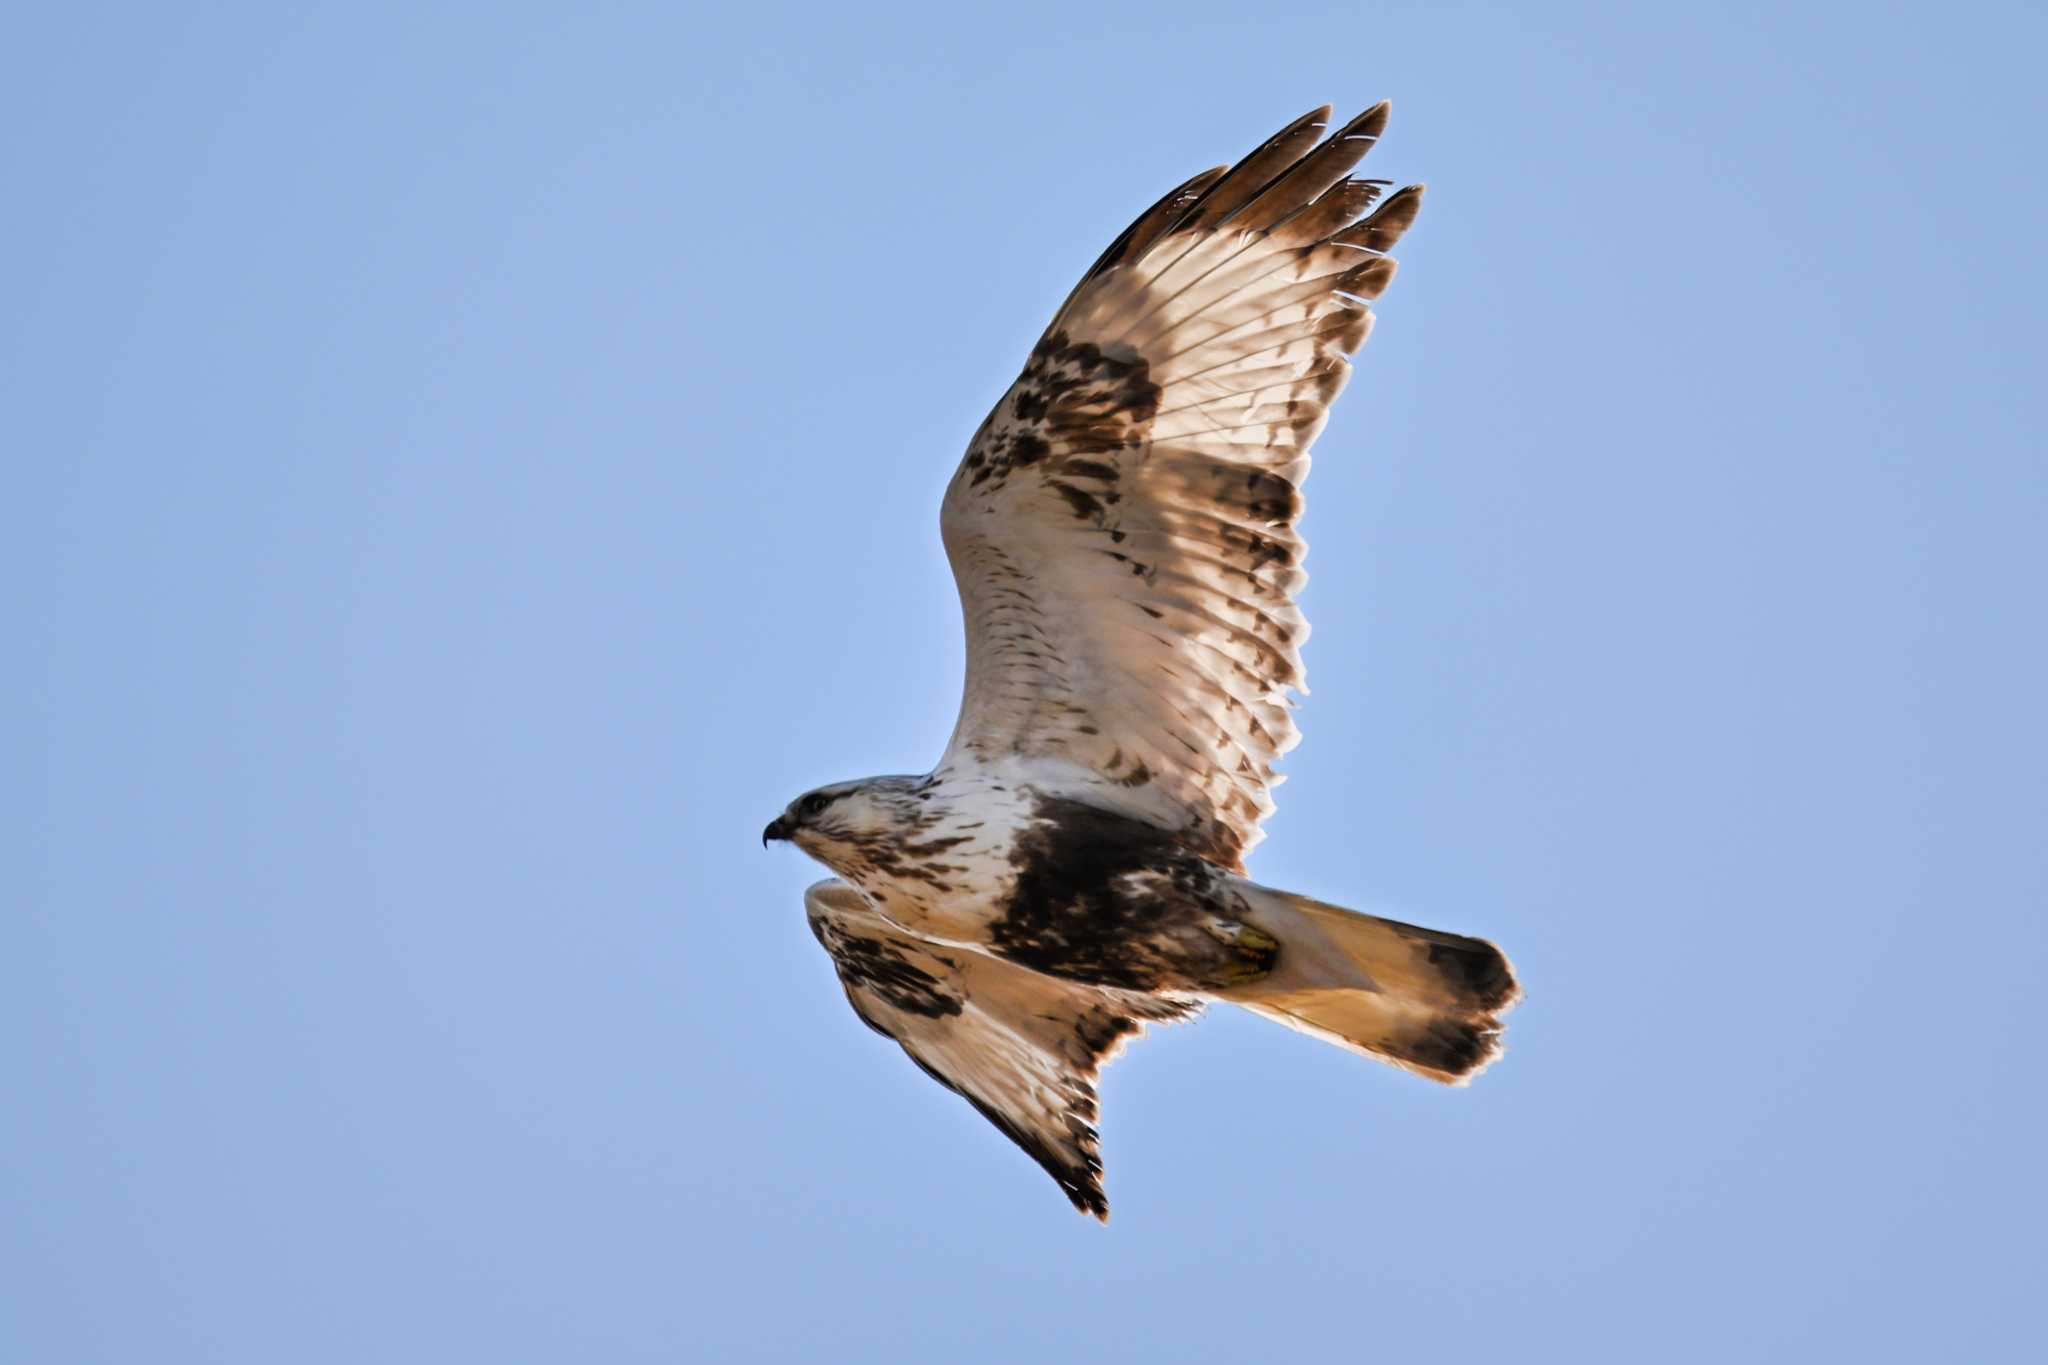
1122,527
1021,1047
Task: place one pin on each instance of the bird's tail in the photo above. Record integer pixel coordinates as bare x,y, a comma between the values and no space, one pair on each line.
1424,1001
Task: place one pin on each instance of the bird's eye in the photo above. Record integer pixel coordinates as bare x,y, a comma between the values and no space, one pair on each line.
811,805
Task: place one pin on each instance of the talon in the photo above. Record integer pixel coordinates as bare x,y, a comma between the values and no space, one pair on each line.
1253,950
1258,940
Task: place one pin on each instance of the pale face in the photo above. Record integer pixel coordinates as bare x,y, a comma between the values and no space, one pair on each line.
834,823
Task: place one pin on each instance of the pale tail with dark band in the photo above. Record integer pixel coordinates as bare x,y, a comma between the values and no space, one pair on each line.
1422,1000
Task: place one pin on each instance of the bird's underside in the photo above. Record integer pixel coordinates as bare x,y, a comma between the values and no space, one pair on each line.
1122,530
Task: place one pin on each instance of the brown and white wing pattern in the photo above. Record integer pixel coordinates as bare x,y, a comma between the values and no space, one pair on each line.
1021,1047
1123,525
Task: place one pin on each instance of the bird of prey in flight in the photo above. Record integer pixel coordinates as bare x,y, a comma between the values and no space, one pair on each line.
1122,530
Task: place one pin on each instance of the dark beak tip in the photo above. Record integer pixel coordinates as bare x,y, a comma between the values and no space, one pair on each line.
777,829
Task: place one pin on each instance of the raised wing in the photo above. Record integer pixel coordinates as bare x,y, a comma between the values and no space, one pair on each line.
1122,527
1021,1047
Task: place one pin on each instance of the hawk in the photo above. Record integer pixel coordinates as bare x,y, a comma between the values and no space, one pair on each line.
1122,530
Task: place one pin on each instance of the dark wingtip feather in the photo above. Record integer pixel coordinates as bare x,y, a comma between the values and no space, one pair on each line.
1082,1185
1150,225
1135,240
1384,227
1331,214
1259,168
1370,280
1317,118
1319,168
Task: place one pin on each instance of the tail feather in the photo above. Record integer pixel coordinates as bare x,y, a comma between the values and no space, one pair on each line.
1422,1000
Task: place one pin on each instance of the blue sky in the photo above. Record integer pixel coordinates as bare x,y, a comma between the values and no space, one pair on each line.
470,465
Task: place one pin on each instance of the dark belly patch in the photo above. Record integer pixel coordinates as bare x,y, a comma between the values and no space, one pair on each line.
1112,901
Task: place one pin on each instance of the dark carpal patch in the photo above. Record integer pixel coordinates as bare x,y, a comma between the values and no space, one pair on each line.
1113,901
871,964
1073,405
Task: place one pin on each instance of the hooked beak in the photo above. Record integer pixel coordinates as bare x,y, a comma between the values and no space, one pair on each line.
778,828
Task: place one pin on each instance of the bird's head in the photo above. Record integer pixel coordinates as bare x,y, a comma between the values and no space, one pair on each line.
835,824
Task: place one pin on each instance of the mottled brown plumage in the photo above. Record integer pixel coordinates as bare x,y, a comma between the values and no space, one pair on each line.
1122,531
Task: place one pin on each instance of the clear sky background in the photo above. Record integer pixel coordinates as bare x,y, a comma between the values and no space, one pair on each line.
468,466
